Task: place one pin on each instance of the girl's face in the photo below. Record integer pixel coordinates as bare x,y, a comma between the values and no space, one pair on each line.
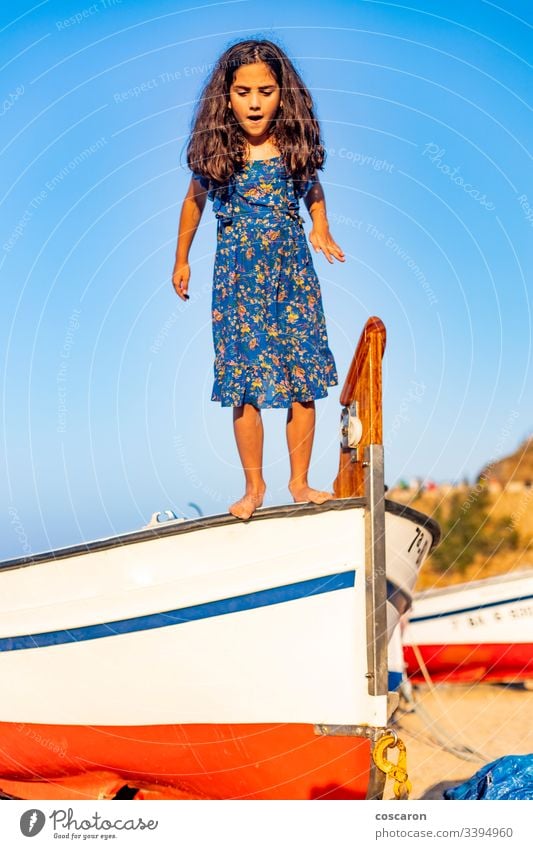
254,96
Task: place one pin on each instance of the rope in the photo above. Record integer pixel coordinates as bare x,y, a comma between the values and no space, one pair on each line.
442,737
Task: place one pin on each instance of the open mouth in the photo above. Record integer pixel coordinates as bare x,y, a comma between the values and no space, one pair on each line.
255,117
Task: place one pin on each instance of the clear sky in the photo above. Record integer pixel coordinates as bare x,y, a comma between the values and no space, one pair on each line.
106,375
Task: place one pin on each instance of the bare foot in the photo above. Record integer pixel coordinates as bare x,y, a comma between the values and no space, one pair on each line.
245,506
303,492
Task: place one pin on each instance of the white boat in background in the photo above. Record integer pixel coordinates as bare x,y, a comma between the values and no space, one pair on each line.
214,657
477,631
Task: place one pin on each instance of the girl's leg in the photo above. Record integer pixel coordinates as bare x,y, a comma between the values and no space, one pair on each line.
248,429
300,434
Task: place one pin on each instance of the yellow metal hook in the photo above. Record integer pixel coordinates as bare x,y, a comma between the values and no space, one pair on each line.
398,772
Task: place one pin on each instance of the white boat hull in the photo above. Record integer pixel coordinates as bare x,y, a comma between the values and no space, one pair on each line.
477,631
206,621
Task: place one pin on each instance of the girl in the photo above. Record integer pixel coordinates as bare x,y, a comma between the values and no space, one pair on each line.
254,151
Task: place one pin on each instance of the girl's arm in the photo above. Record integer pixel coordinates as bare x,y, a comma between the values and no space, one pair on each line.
191,213
320,237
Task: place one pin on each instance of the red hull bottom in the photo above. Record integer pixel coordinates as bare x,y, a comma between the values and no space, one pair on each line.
181,762
471,663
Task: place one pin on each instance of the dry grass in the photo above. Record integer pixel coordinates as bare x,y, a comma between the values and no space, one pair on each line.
516,467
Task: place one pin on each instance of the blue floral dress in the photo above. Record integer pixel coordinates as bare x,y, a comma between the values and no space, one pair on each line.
269,329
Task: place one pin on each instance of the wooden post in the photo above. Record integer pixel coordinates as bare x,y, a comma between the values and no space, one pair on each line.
362,387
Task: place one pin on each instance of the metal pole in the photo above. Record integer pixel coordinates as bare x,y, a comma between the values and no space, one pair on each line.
375,574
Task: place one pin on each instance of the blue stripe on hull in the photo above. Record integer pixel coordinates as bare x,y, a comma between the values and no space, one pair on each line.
395,679
473,609
221,607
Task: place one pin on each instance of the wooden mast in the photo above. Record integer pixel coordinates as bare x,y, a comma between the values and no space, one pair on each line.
361,396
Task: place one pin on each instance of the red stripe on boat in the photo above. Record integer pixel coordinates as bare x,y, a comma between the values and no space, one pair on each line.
471,662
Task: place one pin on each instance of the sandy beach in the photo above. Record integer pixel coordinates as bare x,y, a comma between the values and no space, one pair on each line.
492,719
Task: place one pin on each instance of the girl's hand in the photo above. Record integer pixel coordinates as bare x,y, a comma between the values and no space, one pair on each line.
322,240
180,279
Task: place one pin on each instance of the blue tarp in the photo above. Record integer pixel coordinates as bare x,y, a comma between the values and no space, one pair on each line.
510,777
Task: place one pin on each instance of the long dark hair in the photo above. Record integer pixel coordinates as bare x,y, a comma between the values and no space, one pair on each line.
217,146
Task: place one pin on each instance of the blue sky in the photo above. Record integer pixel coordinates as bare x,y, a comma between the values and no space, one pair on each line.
107,375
